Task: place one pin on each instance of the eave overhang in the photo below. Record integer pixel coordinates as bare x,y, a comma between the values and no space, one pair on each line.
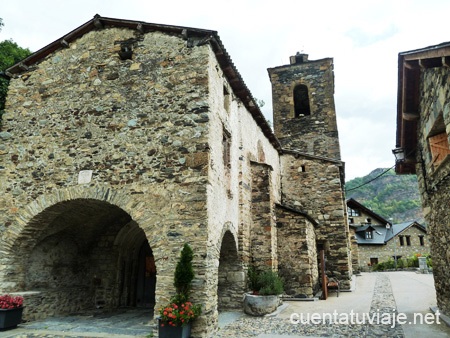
410,64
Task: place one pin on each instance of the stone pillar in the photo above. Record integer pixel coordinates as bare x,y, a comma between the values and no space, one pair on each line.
263,230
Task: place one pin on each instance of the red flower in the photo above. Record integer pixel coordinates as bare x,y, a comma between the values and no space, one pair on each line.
10,302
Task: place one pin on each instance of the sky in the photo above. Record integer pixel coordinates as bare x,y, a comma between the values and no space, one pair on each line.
364,39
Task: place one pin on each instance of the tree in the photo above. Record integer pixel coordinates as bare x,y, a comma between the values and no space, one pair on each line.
10,54
184,273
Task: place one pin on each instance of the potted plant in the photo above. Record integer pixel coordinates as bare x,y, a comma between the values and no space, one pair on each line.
175,319
266,287
11,308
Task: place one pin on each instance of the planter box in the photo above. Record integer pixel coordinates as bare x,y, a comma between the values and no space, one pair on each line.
168,331
10,317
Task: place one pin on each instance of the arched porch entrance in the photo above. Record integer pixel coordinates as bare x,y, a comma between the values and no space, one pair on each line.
231,284
80,255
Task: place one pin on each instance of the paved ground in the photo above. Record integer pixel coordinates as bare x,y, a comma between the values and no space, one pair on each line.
376,297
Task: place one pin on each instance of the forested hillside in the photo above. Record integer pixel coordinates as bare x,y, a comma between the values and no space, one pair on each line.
389,195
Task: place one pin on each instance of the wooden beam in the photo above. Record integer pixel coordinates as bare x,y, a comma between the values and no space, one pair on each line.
410,116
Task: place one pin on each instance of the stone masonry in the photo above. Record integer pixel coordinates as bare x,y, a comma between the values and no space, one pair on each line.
122,141
434,184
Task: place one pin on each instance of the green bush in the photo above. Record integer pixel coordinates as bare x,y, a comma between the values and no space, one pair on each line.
184,273
266,282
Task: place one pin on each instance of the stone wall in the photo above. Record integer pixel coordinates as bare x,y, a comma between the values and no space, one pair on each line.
297,253
434,184
314,134
394,248
102,156
150,130
320,197
140,125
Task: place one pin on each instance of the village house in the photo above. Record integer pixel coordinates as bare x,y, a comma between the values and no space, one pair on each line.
422,147
379,240
123,140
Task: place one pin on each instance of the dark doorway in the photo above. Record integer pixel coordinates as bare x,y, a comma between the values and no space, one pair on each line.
146,279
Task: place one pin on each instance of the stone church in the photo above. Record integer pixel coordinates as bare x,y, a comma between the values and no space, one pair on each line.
123,140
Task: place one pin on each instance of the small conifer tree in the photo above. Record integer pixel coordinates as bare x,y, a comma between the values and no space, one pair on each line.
184,273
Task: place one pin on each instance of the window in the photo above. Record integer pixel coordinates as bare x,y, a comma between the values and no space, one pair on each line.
408,240
438,142
226,99
369,234
439,148
226,144
373,261
401,240
421,240
353,212
301,101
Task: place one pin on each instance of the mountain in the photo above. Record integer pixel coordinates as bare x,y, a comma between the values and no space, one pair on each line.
388,195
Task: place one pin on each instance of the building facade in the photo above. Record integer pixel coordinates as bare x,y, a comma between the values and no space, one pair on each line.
123,140
422,140
379,240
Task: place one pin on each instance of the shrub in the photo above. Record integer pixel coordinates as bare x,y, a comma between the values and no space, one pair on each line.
184,273
265,282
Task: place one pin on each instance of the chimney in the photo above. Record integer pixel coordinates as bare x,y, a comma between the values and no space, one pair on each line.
299,58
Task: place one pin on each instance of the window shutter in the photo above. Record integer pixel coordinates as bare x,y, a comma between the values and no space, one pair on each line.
439,147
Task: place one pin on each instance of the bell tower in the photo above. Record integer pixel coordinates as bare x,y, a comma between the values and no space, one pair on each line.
304,113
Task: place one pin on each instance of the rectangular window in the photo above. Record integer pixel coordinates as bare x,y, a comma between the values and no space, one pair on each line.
373,260
401,240
353,212
368,234
438,147
226,144
422,242
408,240
226,99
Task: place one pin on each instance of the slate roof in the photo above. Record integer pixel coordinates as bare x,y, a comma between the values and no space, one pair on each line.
354,204
380,234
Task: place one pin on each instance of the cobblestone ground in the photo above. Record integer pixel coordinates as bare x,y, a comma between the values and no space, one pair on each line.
382,302
136,324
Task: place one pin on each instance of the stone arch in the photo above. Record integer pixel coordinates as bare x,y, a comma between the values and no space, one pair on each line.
69,251
231,277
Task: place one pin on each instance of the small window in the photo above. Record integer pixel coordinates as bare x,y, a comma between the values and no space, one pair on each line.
351,220
226,144
408,240
373,261
301,101
421,240
226,99
353,212
439,148
369,234
438,141
401,240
